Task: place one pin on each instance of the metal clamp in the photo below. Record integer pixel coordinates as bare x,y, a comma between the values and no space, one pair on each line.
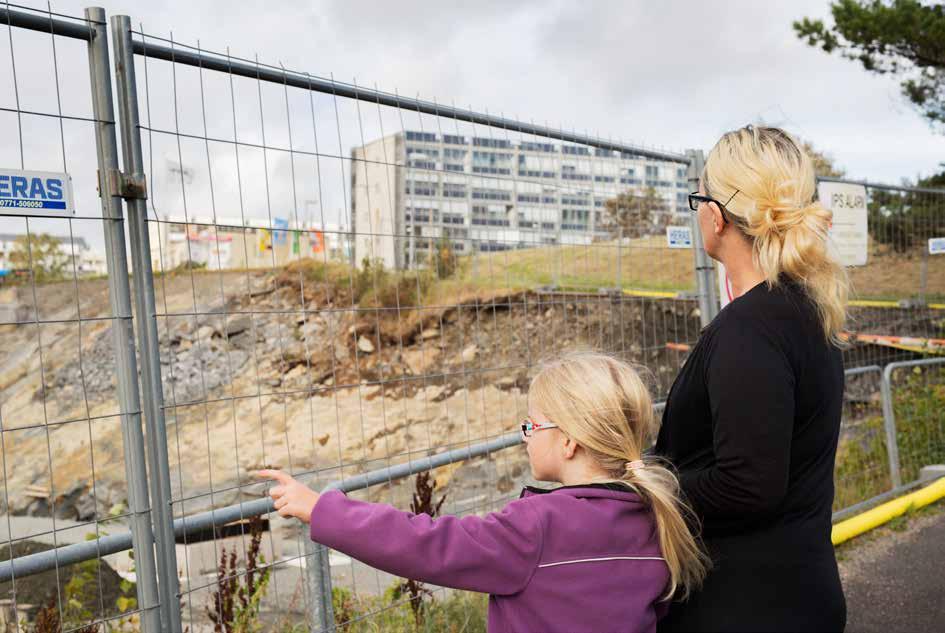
126,186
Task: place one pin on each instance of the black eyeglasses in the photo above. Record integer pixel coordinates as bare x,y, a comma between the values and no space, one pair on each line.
695,199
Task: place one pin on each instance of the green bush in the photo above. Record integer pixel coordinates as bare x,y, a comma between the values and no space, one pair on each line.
919,402
443,260
377,287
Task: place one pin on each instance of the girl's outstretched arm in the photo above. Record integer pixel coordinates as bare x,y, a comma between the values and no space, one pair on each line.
494,554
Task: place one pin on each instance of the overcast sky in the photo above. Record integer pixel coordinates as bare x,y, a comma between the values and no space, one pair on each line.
672,75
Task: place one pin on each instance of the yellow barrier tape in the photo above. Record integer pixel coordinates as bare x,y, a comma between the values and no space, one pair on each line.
650,293
869,303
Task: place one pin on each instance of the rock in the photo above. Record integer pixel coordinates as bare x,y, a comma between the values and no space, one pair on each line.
418,360
238,324
365,344
311,330
295,372
205,332
429,333
469,354
506,382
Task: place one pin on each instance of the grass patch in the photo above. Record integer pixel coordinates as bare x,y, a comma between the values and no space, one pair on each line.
862,467
453,612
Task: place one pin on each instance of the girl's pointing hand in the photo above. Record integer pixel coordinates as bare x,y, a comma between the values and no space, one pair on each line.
291,497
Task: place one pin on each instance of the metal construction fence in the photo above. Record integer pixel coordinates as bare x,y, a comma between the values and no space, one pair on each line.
351,285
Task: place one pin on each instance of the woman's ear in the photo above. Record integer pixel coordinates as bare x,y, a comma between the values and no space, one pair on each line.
718,220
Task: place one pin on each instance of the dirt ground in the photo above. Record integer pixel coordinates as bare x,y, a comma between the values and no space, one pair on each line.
272,368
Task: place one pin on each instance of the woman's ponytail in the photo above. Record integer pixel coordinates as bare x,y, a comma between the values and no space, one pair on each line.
774,178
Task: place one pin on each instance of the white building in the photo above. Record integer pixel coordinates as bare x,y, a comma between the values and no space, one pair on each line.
412,188
79,258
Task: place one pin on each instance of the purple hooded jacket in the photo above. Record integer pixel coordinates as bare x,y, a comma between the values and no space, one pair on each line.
577,558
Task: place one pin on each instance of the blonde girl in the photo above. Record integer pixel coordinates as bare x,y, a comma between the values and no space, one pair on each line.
605,551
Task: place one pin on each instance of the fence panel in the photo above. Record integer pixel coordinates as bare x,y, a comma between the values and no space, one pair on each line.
862,469
71,439
347,280
914,413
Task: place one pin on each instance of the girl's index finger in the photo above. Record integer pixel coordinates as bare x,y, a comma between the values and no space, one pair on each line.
278,475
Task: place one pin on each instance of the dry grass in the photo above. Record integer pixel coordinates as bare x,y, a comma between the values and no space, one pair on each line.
644,264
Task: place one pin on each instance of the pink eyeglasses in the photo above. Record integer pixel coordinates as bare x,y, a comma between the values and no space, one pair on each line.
529,426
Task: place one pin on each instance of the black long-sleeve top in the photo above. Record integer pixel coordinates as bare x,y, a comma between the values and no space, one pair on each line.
752,423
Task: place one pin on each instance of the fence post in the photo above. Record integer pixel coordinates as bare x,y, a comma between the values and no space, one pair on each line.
122,326
705,269
318,577
619,244
148,342
889,423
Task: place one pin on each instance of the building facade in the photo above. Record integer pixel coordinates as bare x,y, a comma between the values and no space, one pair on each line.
411,189
232,245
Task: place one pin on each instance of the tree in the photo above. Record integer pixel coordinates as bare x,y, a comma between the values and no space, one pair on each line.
905,38
823,164
42,252
906,219
636,213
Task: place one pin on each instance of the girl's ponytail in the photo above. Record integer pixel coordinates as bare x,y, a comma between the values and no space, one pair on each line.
603,404
658,487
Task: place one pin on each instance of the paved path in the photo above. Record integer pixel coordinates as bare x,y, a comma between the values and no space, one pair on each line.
896,581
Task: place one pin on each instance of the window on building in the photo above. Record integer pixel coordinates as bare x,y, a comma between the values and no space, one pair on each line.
454,190
537,147
421,188
423,137
491,142
575,149
491,194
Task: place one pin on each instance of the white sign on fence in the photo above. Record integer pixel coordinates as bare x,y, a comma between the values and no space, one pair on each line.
848,234
42,193
679,236
937,246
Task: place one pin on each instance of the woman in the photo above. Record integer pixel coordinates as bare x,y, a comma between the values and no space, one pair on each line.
753,418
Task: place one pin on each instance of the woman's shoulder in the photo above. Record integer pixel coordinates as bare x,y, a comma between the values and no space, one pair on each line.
767,307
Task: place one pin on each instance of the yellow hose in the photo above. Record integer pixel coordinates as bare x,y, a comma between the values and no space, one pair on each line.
870,519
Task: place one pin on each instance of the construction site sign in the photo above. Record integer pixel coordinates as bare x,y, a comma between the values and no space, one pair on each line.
42,193
848,233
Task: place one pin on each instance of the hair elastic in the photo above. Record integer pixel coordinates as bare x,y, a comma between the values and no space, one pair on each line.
636,464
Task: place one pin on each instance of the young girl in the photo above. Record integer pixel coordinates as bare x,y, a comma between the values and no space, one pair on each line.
603,552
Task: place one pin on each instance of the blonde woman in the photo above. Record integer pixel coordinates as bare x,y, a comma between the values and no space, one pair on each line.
753,418
603,552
